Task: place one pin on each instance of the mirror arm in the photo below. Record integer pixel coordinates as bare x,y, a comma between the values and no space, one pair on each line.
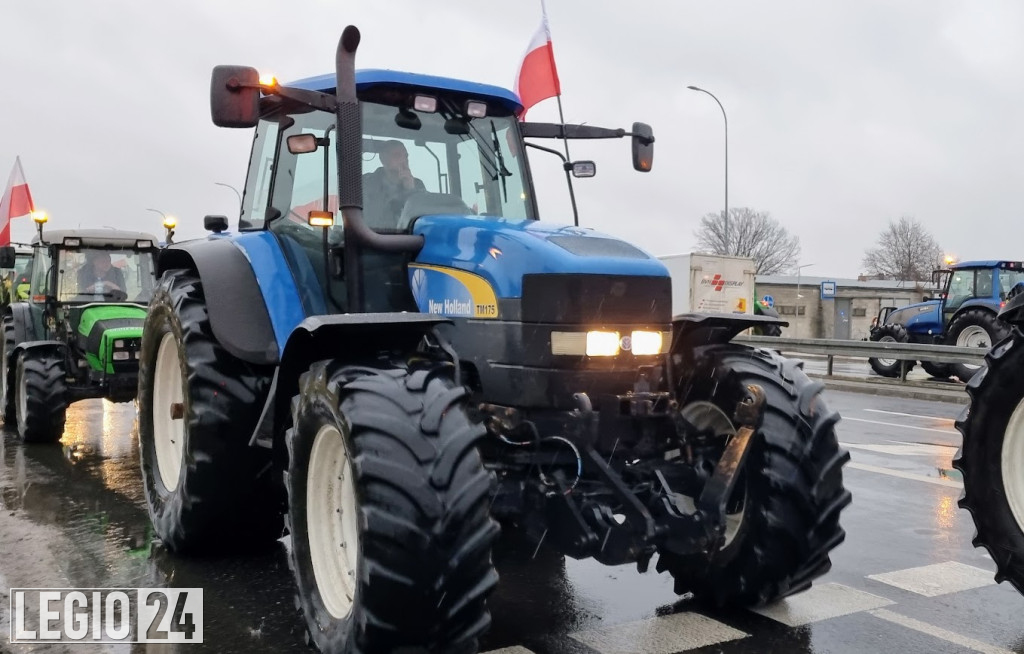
566,166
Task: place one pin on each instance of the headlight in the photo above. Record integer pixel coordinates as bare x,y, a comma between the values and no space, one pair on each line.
602,344
646,343
122,356
119,344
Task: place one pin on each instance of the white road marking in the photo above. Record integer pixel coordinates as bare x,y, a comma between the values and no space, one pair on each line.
949,483
906,449
821,602
937,579
896,424
910,415
938,632
662,635
510,650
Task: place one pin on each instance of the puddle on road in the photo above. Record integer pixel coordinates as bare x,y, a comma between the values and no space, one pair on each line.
81,509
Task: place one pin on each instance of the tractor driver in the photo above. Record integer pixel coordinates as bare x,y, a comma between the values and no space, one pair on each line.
386,189
98,270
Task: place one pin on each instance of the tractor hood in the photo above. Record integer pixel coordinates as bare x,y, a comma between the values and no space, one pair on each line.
918,318
501,252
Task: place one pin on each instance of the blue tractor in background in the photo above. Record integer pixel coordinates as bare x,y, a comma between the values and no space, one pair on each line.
965,314
394,361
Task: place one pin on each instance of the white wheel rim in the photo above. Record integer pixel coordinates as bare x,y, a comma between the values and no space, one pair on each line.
1012,464
22,391
168,433
332,523
887,362
706,415
973,336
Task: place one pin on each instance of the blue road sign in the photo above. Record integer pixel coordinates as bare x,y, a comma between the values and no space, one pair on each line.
768,300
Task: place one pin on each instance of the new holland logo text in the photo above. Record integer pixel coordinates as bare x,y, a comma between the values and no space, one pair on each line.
450,307
719,282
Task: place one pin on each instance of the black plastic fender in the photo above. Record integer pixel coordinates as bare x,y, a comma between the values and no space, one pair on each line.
238,314
354,337
24,325
692,329
1013,312
57,347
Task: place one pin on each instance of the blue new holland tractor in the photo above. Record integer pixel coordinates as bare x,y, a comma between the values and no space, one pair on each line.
965,314
393,361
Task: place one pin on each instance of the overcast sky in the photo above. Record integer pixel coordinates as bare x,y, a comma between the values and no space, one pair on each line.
842,115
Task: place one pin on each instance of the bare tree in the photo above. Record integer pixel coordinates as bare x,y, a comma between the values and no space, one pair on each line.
753,234
905,250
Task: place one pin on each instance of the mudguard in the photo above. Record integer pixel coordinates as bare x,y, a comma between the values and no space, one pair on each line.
692,329
1013,312
24,325
355,336
235,303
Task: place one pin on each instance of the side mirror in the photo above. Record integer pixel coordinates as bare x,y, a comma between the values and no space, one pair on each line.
584,169
235,96
302,143
215,224
643,147
7,256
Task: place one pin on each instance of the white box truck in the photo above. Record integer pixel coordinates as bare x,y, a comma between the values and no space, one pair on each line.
710,283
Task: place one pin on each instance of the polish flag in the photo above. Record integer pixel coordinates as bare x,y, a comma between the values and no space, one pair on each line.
16,201
538,78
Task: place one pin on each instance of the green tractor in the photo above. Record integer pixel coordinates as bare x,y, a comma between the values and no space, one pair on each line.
76,334
15,274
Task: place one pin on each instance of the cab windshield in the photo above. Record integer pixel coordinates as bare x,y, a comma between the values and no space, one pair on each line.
413,164
104,275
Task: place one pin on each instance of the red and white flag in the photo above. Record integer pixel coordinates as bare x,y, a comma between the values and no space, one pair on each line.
538,78
16,201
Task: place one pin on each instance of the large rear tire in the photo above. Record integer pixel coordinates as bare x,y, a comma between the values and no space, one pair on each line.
784,516
936,370
40,397
890,333
991,457
206,488
388,509
974,328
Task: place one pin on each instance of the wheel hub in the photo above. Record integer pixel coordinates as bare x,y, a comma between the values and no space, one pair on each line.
332,521
887,362
168,431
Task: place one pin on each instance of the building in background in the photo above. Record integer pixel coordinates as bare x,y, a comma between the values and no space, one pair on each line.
828,307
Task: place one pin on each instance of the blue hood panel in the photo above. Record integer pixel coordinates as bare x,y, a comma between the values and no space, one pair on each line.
501,252
921,318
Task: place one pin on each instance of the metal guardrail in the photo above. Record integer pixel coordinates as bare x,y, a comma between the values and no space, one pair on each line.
904,352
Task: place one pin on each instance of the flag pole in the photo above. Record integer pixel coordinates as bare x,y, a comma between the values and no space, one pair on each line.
567,164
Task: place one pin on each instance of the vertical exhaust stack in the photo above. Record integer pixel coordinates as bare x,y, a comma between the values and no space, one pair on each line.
350,175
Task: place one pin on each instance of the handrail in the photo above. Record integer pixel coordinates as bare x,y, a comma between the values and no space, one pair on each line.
904,352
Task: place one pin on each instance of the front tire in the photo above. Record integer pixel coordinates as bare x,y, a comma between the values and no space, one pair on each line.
206,488
778,541
936,370
974,328
40,397
991,458
388,508
890,333
6,352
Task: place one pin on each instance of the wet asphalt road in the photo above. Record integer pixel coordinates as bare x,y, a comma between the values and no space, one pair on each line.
906,580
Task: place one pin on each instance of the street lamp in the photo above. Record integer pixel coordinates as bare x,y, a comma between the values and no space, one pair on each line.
726,119
236,193
798,271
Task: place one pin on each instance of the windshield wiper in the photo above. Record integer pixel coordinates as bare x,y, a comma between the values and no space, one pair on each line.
504,172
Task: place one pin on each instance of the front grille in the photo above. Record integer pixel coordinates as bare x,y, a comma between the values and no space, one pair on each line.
596,299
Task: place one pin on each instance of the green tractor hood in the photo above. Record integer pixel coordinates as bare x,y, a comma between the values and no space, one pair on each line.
108,330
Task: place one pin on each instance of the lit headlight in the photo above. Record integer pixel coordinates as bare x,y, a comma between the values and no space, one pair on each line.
646,343
602,344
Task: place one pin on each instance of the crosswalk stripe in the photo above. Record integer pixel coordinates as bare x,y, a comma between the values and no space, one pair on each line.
510,650
937,579
821,602
896,424
938,632
949,483
668,634
905,449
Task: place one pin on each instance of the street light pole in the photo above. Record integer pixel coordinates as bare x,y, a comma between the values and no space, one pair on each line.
726,119
236,193
799,269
